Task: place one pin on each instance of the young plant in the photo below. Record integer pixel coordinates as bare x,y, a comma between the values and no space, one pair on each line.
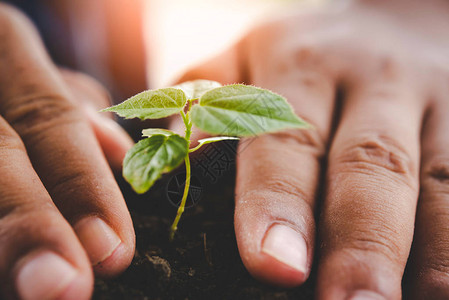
230,111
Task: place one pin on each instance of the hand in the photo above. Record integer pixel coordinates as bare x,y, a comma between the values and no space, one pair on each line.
61,212
372,77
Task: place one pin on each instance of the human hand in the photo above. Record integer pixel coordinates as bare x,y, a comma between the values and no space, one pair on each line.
372,77
61,212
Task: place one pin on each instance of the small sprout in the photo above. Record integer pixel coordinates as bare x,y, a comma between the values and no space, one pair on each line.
233,111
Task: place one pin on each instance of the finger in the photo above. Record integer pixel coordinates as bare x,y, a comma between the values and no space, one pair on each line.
430,259
40,255
62,147
278,175
86,89
372,188
113,139
92,97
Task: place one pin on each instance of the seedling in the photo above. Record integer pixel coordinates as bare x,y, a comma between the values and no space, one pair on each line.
231,111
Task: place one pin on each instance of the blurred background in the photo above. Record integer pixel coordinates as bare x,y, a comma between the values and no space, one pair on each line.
132,45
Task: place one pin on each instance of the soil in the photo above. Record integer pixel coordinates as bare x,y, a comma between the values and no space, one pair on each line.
203,260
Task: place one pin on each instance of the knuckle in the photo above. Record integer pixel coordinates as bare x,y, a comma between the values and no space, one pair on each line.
374,154
35,112
285,185
279,191
435,176
382,92
440,265
68,183
378,242
306,140
306,53
383,66
388,67
316,81
307,56
9,140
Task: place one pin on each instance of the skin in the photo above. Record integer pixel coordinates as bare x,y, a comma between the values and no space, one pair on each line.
56,182
380,149
372,77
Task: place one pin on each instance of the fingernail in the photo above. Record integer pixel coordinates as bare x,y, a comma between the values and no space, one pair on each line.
97,237
46,276
287,246
365,295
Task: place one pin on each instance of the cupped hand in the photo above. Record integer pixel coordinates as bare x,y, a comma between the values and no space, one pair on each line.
372,77
61,212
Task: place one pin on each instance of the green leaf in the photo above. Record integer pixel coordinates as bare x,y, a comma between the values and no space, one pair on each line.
196,88
152,131
151,104
151,157
242,110
214,139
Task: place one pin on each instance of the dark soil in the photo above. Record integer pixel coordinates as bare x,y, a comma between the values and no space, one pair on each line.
203,261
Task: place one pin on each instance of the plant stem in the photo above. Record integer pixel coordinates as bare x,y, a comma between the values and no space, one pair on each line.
188,124
195,148
174,226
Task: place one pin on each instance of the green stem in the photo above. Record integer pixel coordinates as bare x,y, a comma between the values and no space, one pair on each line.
174,226
195,148
188,124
